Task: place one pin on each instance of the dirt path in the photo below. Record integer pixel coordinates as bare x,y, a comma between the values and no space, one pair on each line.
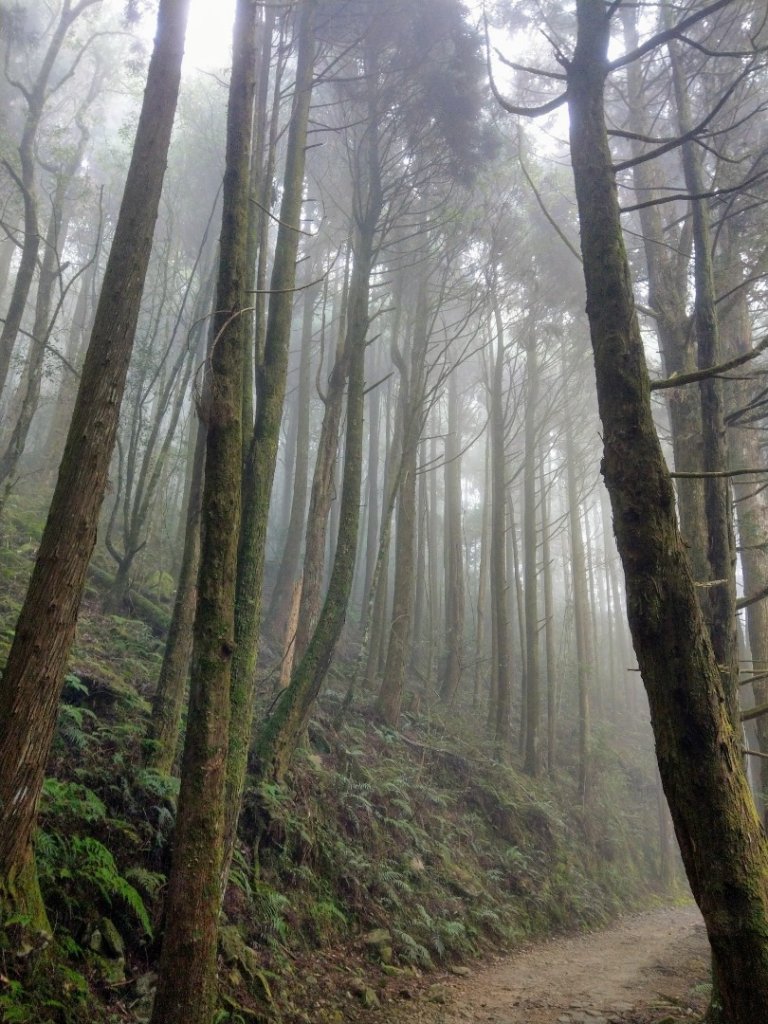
640,970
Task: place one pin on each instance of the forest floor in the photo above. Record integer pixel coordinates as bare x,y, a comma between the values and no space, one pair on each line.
649,967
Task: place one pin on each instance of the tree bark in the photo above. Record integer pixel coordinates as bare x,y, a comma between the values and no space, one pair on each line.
35,98
532,763
271,375
412,384
454,564
33,676
288,573
186,989
721,840
500,622
168,701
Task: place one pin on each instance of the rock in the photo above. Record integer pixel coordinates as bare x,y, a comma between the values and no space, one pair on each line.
111,970
378,937
370,1000
460,972
438,993
366,995
145,984
113,940
144,992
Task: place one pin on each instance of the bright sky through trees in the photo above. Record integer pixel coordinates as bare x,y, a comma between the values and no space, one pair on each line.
209,34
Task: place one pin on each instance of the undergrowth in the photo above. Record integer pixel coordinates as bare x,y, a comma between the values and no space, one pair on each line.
389,852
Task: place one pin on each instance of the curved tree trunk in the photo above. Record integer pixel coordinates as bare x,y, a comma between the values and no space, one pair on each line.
280,734
33,676
322,491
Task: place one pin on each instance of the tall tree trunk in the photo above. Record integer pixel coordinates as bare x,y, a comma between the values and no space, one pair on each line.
720,601
288,572
271,372
751,501
532,762
721,840
33,676
667,258
412,383
278,737
549,621
35,97
372,527
518,613
168,701
584,653
322,492
481,660
501,662
45,312
454,565
77,335
186,988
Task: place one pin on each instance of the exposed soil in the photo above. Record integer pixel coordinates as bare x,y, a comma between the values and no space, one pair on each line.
649,967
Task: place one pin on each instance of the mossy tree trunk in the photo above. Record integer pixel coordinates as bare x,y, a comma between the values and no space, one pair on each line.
721,840
271,373
168,701
278,738
186,989
33,675
323,490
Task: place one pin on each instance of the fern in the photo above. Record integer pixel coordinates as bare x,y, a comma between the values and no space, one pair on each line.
98,866
70,800
150,882
64,859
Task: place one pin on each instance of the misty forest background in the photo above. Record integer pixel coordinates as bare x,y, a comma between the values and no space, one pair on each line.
363,297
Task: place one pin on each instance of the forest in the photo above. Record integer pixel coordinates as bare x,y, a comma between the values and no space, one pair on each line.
383,510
